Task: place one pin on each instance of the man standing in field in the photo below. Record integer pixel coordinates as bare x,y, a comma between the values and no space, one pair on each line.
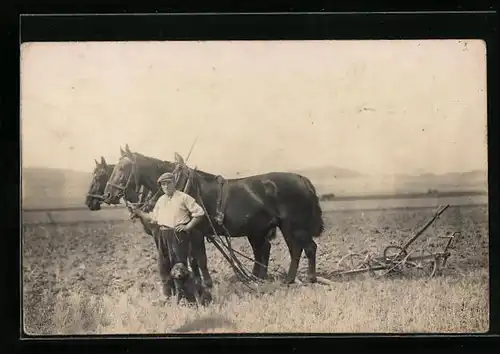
176,214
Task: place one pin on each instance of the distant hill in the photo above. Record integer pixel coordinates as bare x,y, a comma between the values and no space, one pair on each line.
459,177
328,172
472,180
344,182
53,186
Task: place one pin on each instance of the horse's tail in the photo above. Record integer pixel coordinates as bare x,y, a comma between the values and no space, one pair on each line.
317,224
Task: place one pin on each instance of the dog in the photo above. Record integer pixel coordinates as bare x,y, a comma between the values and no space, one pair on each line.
189,287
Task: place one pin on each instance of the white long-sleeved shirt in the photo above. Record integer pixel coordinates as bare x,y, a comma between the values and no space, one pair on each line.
175,210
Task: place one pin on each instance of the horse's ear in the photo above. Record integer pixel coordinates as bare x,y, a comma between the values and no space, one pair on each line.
122,153
178,158
96,163
103,161
128,153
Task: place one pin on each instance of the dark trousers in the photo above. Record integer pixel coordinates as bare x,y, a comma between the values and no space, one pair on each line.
173,247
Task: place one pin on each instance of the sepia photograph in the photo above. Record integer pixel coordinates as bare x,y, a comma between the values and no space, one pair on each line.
312,186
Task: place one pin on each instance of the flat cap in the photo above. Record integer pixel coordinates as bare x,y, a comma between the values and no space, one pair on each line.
165,177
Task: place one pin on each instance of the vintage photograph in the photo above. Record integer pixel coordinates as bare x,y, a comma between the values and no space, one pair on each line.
254,187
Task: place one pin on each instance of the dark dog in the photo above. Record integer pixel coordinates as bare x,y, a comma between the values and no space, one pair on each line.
188,287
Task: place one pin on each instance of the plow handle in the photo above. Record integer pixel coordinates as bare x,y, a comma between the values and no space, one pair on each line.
429,223
448,244
450,239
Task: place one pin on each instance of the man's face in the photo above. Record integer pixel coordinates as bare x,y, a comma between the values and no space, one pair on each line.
168,186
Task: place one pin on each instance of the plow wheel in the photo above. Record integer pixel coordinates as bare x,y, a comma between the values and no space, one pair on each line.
421,262
394,253
393,258
351,263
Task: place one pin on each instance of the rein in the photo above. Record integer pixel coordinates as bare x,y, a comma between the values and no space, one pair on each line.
96,196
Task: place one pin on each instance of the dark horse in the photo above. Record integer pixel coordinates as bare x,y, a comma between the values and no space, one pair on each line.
121,183
252,206
255,205
100,177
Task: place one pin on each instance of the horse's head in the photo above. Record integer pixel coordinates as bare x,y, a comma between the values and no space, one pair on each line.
100,176
124,179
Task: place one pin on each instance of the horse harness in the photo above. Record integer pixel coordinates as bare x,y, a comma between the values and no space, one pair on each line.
222,193
133,174
222,197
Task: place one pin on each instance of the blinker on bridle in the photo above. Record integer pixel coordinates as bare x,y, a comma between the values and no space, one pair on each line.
133,173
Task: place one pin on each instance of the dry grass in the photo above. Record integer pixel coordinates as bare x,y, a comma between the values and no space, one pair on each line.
103,279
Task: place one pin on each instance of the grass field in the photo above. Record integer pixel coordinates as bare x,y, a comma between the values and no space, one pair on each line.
102,278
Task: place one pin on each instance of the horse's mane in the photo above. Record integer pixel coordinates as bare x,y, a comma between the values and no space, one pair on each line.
171,166
205,175
155,161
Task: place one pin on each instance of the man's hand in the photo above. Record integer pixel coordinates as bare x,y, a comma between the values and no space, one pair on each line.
187,227
182,227
148,206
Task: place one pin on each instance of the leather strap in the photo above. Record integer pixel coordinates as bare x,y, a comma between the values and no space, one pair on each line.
221,199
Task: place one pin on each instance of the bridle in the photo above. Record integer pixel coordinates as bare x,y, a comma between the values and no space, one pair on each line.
133,174
96,196
178,170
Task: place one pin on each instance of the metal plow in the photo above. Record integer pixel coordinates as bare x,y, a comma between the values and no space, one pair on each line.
397,259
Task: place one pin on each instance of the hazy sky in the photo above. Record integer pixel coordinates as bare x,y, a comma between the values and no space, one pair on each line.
373,106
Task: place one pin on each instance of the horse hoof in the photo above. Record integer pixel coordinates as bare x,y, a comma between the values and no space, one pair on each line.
208,283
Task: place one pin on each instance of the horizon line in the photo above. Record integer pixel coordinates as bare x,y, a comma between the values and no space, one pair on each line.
363,174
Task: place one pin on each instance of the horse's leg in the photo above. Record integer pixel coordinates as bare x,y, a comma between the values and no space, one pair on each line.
310,251
266,253
199,254
258,242
195,268
192,258
298,240
264,258
295,252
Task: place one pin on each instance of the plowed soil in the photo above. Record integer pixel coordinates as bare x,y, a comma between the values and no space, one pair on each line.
102,278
